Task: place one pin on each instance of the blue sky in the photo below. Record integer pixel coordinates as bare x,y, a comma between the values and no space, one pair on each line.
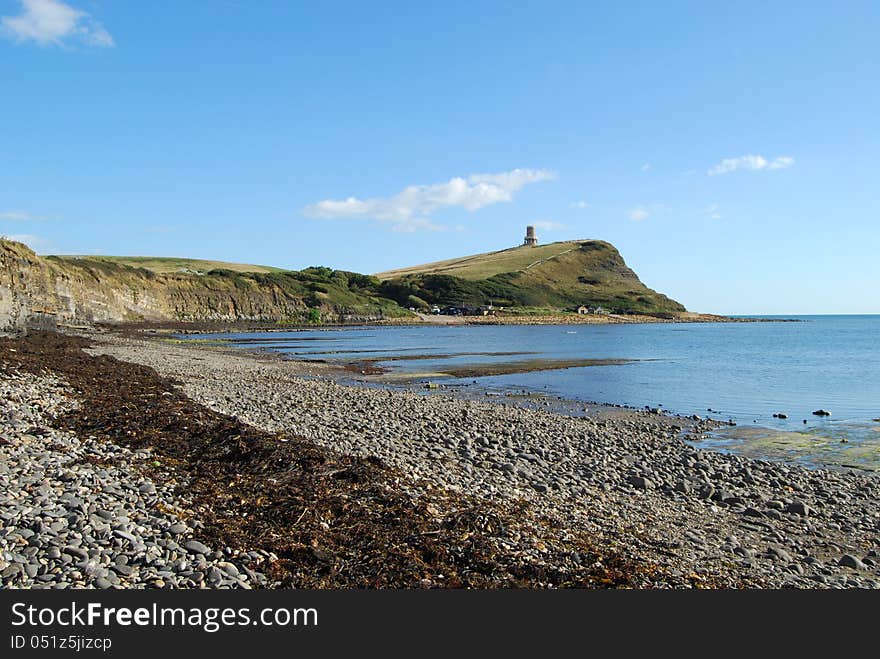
729,150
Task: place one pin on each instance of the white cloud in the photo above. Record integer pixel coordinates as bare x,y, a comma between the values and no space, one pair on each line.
579,204
750,162
547,225
638,214
782,162
17,216
647,167
52,22
410,208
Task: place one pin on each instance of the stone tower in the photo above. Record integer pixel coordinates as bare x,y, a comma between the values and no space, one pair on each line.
531,239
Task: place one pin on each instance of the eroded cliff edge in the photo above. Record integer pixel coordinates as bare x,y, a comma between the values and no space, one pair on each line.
38,291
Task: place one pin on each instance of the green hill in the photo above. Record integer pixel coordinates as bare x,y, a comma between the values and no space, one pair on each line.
37,290
559,275
166,265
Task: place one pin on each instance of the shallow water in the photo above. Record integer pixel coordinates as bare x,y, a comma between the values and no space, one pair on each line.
744,372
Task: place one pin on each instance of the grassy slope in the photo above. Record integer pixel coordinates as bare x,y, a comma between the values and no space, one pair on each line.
165,265
554,276
483,266
558,275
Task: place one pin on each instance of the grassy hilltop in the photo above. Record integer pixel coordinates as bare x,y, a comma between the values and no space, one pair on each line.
168,265
555,276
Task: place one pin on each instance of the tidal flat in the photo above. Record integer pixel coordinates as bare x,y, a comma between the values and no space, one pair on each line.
478,369
849,446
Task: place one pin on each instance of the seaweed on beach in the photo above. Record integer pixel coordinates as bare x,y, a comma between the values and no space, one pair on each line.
332,520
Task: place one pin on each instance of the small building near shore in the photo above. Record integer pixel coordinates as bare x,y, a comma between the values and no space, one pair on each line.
583,310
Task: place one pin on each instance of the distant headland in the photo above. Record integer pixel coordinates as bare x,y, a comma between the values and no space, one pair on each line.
569,281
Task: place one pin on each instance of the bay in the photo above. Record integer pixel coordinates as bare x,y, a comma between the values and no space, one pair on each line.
743,372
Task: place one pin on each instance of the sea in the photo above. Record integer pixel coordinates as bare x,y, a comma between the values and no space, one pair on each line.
766,377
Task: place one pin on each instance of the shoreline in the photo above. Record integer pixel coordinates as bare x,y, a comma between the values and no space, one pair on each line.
718,434
845,444
624,481
281,510
158,327
767,523
364,373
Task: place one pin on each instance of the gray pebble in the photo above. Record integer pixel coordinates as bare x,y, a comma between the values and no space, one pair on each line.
196,547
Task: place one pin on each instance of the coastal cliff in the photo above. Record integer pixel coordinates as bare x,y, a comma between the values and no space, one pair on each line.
40,291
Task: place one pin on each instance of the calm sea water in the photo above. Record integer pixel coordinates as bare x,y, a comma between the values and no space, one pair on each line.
745,372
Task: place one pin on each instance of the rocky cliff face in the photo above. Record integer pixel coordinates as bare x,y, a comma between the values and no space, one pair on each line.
38,291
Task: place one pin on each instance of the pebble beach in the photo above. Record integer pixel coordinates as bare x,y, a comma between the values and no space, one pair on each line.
78,512
629,481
